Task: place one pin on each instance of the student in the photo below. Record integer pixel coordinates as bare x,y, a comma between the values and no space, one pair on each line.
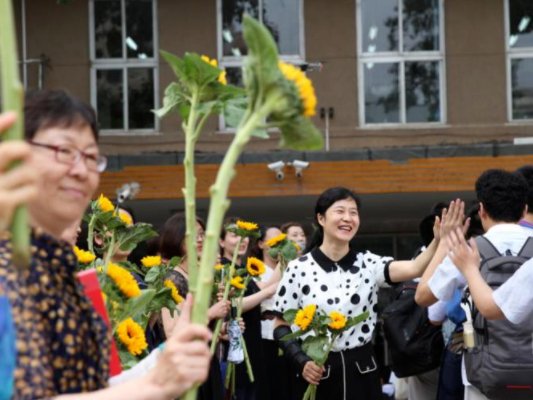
62,344
295,232
527,172
337,278
502,199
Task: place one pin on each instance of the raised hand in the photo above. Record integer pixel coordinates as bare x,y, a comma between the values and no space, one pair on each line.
464,255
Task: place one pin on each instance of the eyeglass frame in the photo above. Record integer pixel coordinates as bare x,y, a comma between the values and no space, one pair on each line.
101,161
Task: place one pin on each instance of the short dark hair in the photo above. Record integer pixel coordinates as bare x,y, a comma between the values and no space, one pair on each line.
503,194
325,201
527,172
48,108
285,227
172,236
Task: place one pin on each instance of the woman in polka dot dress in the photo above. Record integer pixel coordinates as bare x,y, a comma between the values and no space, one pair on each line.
337,278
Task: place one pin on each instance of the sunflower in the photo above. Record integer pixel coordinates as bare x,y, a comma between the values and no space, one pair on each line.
83,256
219,267
104,204
247,226
131,335
338,320
304,86
237,282
305,316
151,261
174,291
124,280
125,217
214,63
276,240
255,266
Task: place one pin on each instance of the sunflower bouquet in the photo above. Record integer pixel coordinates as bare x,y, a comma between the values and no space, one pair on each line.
129,307
319,331
283,250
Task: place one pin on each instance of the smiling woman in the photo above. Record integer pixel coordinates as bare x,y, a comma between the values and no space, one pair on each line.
62,345
335,278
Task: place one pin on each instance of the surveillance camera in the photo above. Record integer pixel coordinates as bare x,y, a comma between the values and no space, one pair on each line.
277,167
127,192
300,164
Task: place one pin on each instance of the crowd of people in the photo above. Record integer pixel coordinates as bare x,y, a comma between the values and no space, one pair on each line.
62,344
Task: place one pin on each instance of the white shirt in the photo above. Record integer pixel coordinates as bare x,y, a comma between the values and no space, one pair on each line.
515,296
349,286
504,237
267,326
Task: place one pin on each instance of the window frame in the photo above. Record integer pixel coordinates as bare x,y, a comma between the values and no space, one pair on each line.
400,57
124,63
237,62
511,54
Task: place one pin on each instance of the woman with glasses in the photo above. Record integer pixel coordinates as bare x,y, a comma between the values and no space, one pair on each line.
62,345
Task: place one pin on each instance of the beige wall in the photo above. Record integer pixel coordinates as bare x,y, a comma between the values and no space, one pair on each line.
475,70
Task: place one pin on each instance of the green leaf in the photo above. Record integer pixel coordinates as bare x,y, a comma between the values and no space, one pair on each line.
290,315
152,275
301,134
357,319
135,234
173,98
315,347
136,307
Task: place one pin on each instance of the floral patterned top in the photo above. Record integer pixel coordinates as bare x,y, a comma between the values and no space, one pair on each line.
62,344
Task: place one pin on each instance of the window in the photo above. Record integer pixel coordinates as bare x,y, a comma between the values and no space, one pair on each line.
124,73
284,19
401,62
519,43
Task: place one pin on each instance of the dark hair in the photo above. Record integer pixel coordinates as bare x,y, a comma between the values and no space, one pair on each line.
255,250
172,236
503,194
527,172
227,221
475,228
48,108
425,228
325,201
285,227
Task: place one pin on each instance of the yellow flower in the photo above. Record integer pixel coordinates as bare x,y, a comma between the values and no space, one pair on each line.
84,257
131,334
124,280
104,204
255,266
296,246
218,267
276,240
237,282
175,293
305,316
125,217
304,86
338,320
214,63
247,226
151,261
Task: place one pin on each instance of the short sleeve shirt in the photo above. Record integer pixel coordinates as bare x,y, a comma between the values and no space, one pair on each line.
349,286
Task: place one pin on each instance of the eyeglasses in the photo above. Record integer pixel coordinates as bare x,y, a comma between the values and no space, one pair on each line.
70,155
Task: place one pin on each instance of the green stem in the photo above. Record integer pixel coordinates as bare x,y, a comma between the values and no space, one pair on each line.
189,192
218,326
12,100
218,206
247,360
110,251
90,234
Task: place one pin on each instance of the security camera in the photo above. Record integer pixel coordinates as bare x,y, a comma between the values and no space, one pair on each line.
299,167
277,167
127,192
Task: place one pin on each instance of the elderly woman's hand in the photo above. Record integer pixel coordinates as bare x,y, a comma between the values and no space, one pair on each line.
184,361
17,186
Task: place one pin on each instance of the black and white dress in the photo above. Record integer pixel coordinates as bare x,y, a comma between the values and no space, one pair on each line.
349,286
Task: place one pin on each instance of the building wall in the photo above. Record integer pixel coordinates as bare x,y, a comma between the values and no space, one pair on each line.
475,71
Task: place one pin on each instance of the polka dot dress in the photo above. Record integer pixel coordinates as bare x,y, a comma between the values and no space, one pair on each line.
62,344
349,286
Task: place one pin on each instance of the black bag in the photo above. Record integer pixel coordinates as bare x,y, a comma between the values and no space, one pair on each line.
415,344
501,363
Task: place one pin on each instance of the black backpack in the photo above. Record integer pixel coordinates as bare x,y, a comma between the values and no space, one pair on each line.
501,363
415,344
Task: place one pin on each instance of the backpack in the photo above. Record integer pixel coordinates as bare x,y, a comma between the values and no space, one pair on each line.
501,363
415,344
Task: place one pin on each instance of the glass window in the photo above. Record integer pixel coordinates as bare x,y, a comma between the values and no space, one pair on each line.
401,61
520,58
124,64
